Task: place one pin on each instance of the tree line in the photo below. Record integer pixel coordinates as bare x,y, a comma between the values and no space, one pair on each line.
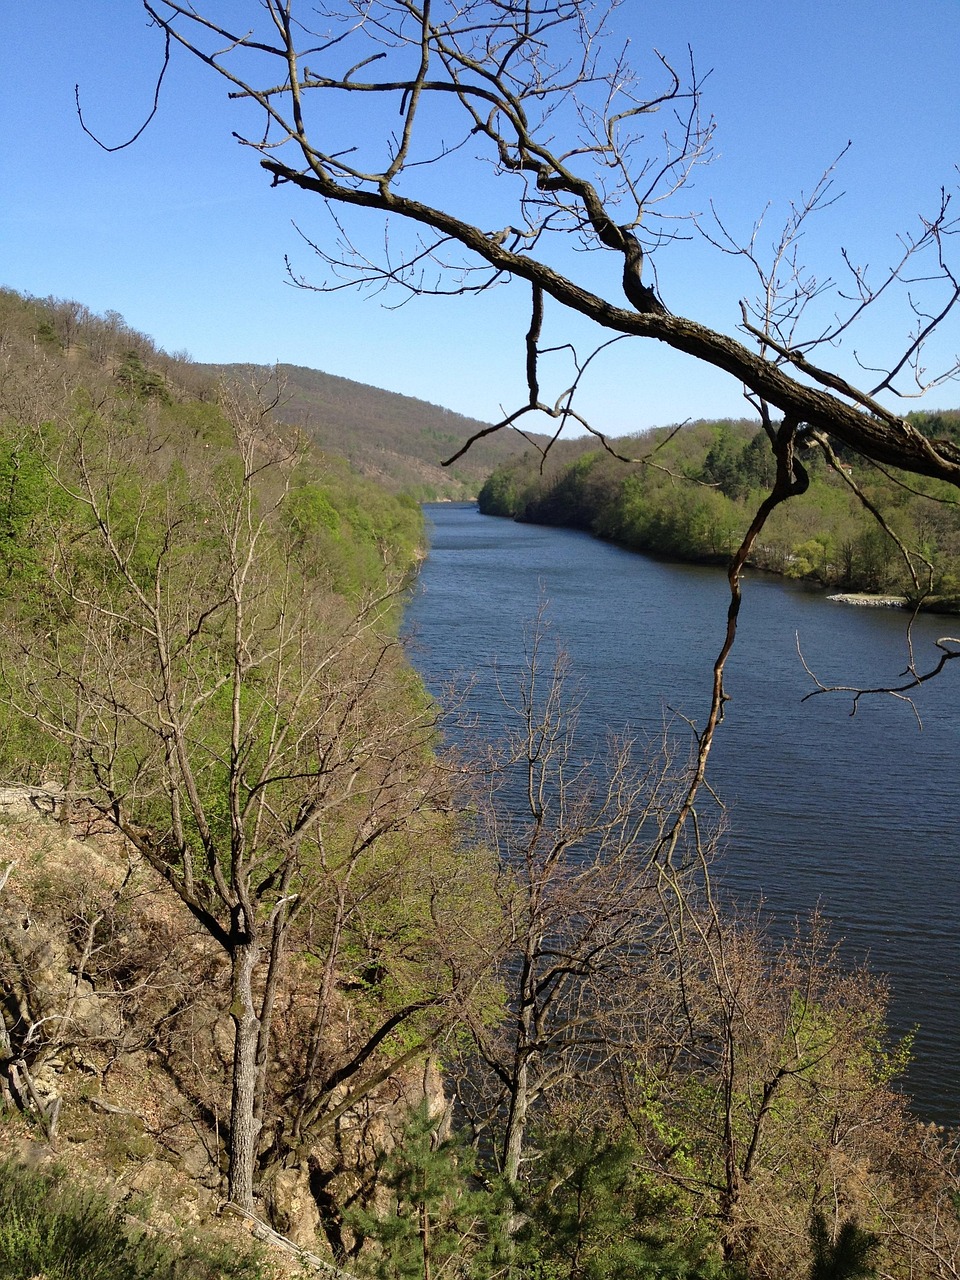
691,493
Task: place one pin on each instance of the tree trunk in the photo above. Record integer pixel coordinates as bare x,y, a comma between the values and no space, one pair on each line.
244,1124
516,1125
425,1242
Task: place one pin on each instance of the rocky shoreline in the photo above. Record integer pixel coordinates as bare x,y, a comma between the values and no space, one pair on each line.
866,600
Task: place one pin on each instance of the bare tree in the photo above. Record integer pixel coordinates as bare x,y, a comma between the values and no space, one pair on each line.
578,838
77,978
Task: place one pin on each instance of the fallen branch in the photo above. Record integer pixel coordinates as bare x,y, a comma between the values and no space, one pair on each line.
260,1230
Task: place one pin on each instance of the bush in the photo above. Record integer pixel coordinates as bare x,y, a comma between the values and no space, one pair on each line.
57,1230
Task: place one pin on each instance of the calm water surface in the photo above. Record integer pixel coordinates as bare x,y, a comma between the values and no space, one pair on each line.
858,814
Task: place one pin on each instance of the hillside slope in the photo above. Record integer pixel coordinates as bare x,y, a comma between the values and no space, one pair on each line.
199,666
397,440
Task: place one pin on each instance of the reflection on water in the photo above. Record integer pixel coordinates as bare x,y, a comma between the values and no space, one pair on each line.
857,813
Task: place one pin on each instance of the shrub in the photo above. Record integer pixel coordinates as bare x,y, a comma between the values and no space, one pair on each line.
56,1229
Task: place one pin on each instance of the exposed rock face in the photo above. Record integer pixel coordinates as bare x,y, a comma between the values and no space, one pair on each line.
116,1040
306,1199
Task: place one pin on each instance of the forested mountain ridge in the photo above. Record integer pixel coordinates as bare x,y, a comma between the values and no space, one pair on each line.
693,491
203,694
397,440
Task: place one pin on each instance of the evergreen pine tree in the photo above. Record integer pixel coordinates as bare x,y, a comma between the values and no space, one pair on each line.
847,1257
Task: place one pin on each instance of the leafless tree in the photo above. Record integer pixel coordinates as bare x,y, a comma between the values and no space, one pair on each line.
73,982
578,839
919,1218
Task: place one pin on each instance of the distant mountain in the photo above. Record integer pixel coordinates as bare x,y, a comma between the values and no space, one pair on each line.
398,440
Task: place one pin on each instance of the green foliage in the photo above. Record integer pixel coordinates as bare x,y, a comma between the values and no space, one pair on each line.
943,425
47,334
439,1220
52,1227
500,493
593,1214
29,499
697,499
738,467
349,531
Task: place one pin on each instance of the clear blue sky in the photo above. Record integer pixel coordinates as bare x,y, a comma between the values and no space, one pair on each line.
182,235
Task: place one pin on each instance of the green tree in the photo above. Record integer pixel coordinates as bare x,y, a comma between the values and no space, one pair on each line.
723,464
255,736
440,1220
591,1213
28,501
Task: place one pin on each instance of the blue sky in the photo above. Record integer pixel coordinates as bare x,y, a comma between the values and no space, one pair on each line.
182,235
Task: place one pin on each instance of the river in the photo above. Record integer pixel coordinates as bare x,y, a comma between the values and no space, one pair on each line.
857,814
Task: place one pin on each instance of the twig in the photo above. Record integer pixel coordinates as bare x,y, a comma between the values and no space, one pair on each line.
892,691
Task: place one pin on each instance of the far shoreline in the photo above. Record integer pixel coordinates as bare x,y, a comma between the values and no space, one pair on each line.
948,606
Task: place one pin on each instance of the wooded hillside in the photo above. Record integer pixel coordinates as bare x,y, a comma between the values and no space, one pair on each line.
238,934
692,492
396,440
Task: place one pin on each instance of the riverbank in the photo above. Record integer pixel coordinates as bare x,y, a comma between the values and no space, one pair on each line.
865,600
948,605
704,492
